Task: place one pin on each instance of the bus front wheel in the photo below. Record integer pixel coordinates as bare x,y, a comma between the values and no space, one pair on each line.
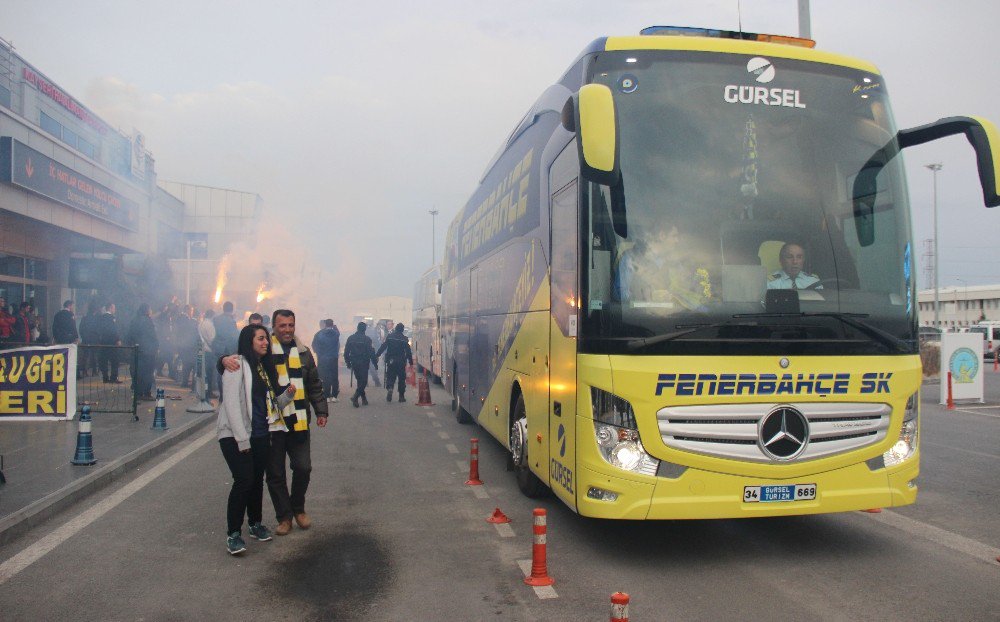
527,481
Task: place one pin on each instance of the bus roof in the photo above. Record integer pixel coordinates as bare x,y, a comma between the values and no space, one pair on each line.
730,46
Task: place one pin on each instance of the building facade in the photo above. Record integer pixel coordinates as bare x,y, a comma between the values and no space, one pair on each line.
959,307
82,215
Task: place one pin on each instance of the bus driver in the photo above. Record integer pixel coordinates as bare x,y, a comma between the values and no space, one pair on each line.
792,257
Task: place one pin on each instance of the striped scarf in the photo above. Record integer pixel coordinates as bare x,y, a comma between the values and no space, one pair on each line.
290,372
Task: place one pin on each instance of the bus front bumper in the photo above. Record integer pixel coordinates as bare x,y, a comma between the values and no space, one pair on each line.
698,494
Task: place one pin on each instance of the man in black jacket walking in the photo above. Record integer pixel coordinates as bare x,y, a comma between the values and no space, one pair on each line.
326,345
397,355
358,354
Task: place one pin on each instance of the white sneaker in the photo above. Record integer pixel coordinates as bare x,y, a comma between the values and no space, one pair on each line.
332,399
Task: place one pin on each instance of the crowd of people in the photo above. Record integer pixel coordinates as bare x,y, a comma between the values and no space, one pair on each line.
270,385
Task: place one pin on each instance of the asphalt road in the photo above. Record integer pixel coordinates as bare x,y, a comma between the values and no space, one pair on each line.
398,536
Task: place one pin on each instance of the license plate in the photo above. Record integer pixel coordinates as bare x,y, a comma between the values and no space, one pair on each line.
765,494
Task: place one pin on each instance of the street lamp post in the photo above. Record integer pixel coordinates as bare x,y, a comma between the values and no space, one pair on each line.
433,214
934,168
965,315
187,280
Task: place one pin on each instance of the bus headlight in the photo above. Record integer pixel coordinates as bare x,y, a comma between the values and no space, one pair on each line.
907,443
617,435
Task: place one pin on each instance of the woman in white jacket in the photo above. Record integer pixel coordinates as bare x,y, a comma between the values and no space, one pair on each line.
251,399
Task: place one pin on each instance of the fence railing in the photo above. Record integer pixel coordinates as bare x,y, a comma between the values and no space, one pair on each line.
105,376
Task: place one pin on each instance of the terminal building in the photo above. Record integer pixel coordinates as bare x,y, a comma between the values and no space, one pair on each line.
83,215
959,307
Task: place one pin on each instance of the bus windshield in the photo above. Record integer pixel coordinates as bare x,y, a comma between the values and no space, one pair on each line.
734,229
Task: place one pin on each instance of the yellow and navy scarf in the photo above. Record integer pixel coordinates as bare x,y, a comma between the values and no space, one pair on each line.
290,373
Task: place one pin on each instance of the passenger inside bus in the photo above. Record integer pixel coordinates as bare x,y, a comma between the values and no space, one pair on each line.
658,271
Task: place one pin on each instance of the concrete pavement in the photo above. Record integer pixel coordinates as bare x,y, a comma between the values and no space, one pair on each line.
37,454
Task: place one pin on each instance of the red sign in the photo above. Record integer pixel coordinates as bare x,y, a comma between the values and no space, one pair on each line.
63,100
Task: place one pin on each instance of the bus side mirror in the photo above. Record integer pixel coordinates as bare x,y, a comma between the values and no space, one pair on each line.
981,134
591,114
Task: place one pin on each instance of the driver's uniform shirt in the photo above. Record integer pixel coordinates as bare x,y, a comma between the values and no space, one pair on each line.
802,280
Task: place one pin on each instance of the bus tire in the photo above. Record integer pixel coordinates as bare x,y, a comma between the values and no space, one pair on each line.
528,482
461,415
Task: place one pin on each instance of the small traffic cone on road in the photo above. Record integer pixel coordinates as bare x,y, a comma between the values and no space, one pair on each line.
84,441
619,607
474,464
424,392
539,564
160,412
498,517
996,361
411,376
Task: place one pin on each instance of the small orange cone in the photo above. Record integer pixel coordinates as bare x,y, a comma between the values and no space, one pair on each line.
474,464
619,607
873,510
498,517
411,376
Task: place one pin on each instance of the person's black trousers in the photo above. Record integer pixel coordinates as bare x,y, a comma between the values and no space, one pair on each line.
108,362
361,379
247,494
395,372
295,445
328,376
144,375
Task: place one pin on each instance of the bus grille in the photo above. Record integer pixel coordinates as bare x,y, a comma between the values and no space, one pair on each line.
733,430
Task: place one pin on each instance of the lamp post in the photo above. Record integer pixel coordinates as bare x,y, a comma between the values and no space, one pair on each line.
433,214
934,168
965,315
187,280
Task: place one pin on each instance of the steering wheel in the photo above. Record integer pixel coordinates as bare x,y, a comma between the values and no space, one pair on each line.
830,283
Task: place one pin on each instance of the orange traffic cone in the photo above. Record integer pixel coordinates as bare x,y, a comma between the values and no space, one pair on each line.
498,517
474,464
424,392
539,564
411,376
619,607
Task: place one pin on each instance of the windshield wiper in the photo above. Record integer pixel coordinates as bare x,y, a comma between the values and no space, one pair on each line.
854,320
685,329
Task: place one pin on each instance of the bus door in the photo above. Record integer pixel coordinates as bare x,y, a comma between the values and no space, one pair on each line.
565,296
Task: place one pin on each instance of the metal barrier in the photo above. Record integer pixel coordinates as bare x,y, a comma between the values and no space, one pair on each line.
97,370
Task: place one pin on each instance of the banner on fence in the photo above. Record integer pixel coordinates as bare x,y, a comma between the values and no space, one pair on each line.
38,383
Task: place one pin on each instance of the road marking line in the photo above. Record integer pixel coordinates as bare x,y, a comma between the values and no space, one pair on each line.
40,548
504,529
543,592
443,435
435,424
978,414
980,407
963,450
451,448
953,541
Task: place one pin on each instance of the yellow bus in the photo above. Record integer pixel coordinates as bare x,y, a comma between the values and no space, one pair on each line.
685,286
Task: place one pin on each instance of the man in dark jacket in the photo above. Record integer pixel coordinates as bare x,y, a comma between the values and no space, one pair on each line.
326,345
397,356
64,325
359,354
142,333
109,337
21,331
290,433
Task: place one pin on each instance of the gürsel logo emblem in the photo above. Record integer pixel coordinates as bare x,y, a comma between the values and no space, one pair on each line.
783,433
761,69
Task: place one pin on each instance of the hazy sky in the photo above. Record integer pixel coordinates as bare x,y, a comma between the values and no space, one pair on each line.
352,119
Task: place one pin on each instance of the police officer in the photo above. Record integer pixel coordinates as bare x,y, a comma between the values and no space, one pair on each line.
358,354
791,276
397,355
